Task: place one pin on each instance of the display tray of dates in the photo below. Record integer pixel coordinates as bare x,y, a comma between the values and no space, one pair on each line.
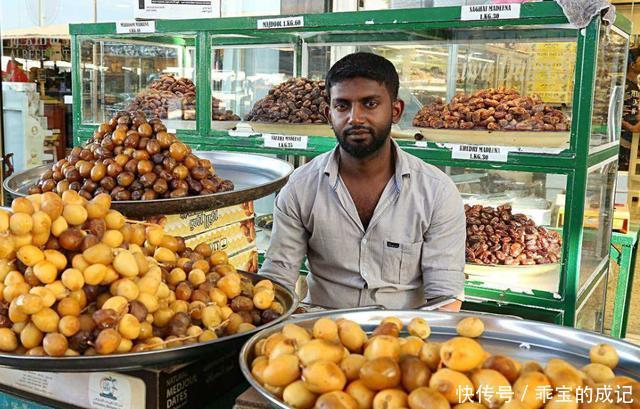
499,116
294,107
171,97
498,238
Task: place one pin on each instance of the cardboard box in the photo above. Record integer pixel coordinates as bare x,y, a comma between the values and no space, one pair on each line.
246,260
185,386
620,223
189,224
231,238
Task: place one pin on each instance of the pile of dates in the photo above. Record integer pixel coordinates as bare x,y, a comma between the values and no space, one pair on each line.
497,236
500,109
131,158
298,100
218,111
170,94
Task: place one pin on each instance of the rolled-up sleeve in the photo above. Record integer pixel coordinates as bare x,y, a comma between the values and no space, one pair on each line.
289,240
443,250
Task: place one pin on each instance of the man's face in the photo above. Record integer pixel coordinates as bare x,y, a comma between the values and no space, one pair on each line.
361,112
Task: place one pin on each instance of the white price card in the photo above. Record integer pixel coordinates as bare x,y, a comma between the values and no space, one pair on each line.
490,12
480,152
135,27
285,141
284,22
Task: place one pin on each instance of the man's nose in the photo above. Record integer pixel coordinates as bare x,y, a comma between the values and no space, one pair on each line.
356,116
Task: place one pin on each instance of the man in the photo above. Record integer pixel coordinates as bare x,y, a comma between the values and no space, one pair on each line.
378,226
631,113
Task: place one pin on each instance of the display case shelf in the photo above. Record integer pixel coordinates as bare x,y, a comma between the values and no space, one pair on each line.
578,72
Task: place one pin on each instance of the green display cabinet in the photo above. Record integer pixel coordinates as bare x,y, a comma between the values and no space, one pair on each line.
561,180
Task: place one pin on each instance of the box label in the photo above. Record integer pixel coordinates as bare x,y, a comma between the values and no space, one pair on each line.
109,391
285,141
490,12
480,152
178,388
135,27
284,22
36,382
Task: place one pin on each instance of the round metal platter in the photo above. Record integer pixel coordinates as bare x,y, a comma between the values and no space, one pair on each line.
253,176
155,358
519,339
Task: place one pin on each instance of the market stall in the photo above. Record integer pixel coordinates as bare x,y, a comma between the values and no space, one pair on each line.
558,172
522,112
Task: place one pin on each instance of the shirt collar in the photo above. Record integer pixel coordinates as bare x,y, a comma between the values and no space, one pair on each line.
402,166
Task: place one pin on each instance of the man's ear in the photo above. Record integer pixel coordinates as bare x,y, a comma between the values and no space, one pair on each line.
327,113
397,108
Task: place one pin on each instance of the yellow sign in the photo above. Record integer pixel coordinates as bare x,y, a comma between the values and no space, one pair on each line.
550,73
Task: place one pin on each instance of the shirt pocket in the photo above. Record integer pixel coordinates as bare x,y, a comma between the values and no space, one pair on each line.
410,268
400,262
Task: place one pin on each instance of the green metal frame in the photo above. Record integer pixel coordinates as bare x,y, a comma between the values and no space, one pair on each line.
624,248
408,25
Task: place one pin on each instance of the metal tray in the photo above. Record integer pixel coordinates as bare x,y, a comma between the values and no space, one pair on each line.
254,176
149,359
520,339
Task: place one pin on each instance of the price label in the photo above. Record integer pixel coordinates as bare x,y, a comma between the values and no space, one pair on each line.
135,27
285,141
490,12
480,152
284,22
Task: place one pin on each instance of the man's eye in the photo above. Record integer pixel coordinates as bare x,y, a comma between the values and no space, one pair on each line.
340,107
371,104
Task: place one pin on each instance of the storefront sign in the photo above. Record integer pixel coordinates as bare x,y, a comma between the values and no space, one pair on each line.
177,9
285,22
490,12
480,152
285,141
37,48
135,27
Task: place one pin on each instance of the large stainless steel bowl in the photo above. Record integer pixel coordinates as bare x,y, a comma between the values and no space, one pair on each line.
520,339
157,358
254,176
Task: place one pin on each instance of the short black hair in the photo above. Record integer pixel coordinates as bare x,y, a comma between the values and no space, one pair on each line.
364,65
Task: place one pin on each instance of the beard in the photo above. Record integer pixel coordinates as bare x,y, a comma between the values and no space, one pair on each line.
362,149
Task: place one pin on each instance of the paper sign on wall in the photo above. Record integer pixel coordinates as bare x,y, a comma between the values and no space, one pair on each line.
177,9
135,27
490,12
285,141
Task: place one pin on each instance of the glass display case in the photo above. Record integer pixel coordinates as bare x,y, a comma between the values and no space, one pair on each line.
540,95
149,73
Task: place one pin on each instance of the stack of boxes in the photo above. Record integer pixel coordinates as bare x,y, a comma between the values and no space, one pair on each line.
230,229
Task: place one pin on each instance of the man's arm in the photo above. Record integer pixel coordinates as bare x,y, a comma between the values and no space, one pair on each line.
443,251
289,240
631,128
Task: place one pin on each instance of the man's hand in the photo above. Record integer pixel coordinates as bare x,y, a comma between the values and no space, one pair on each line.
452,307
